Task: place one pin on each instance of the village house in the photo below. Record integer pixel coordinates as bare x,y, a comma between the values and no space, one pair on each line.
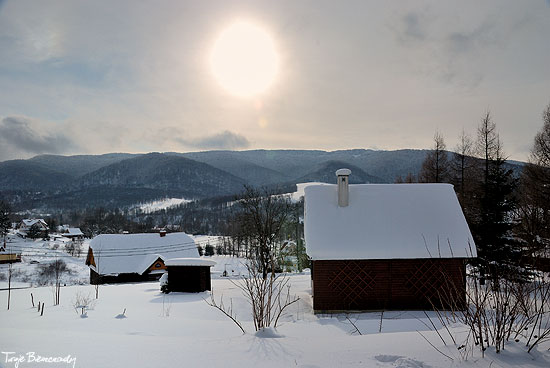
116,258
25,225
73,233
386,246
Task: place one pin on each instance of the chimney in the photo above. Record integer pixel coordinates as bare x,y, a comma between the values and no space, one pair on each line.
343,187
162,233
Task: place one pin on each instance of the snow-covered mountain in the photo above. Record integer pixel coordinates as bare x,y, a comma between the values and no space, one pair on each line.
121,179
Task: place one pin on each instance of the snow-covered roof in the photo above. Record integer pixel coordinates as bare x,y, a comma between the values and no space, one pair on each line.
386,221
135,253
73,231
30,222
189,262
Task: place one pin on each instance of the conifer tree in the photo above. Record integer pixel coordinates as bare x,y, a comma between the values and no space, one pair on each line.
499,253
534,209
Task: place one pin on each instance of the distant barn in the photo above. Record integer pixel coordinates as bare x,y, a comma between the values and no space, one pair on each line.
386,246
115,258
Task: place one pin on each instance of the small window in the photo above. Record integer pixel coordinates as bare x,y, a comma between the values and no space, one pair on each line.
158,265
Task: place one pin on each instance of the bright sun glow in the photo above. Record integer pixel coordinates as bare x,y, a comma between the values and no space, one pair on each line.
244,59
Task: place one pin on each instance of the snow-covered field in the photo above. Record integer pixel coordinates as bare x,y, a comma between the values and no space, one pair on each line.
180,329
36,253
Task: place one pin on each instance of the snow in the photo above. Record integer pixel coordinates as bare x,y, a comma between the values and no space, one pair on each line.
233,266
162,204
180,329
30,222
343,172
386,221
189,262
36,253
73,231
300,187
134,253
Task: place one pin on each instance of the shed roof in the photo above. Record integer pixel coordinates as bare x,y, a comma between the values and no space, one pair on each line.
134,253
386,221
73,231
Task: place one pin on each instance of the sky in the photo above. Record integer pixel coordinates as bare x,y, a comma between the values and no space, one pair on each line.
91,77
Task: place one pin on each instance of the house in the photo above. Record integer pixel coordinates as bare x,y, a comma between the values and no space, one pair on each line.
73,233
25,225
188,275
116,258
386,246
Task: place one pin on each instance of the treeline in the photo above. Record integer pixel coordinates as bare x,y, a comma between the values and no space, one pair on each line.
213,216
507,211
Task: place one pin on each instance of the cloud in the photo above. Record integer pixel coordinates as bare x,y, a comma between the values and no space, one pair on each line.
223,140
413,27
443,48
468,41
18,134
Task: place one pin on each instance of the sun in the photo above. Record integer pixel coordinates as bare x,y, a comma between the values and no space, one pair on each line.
244,59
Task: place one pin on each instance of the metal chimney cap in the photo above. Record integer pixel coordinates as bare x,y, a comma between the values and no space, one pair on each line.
343,172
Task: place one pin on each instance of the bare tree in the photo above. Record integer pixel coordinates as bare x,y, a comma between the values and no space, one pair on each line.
10,273
59,268
409,179
4,227
462,163
262,216
54,272
269,297
435,168
488,146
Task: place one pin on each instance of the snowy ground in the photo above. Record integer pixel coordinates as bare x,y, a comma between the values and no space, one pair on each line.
180,329
36,253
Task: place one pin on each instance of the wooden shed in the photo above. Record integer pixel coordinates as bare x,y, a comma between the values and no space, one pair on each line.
119,258
188,274
386,246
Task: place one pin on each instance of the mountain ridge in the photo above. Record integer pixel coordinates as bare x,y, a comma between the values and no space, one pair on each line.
117,179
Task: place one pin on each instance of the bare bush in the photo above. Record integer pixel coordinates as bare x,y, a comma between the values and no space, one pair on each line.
227,310
74,248
269,297
499,312
83,302
52,273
